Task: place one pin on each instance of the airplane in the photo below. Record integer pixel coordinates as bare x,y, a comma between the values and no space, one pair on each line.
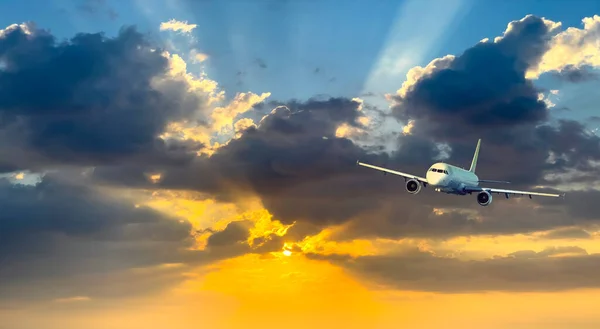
450,179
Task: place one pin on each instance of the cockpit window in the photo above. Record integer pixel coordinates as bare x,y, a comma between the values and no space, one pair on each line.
439,170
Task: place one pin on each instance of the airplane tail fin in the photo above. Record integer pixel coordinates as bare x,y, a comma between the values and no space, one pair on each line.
475,156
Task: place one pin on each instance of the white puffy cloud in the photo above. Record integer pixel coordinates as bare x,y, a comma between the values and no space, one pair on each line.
418,72
213,123
552,26
222,117
573,47
241,125
24,27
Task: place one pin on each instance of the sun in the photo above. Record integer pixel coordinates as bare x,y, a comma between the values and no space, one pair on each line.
287,253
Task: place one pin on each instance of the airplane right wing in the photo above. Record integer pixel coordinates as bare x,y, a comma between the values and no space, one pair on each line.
508,192
493,181
385,170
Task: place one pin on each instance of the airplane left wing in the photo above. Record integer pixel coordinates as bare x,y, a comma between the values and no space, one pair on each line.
385,170
508,192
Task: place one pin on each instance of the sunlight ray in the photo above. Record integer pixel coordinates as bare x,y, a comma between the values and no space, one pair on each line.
404,48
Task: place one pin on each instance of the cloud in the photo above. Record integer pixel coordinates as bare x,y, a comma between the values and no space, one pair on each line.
285,151
526,270
313,182
568,233
577,74
83,230
571,49
198,57
437,217
87,101
175,25
483,87
99,236
416,73
124,102
223,116
235,232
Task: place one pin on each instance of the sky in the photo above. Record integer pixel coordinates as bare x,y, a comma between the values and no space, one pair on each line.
184,164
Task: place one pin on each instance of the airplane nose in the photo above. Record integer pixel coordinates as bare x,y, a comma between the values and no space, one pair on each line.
434,179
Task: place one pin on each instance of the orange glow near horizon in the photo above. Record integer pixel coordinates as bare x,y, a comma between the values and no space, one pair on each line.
269,292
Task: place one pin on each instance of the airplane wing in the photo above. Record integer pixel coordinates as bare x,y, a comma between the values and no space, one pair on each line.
385,170
508,192
493,181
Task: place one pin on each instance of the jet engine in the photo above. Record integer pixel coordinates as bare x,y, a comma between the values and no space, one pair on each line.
484,198
413,186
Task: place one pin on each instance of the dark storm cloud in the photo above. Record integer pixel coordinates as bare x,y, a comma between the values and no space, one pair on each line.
89,100
520,271
577,74
485,87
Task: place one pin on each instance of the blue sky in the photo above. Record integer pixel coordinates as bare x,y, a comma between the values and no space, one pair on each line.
309,47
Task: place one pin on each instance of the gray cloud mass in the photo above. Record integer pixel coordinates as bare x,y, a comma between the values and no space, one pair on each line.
521,271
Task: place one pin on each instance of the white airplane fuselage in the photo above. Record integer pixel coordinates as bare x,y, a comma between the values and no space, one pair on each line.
450,179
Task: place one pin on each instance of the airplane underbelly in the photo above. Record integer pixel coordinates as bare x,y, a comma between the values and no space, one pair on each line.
455,187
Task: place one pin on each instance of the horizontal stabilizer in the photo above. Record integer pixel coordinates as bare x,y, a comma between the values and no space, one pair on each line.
493,181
